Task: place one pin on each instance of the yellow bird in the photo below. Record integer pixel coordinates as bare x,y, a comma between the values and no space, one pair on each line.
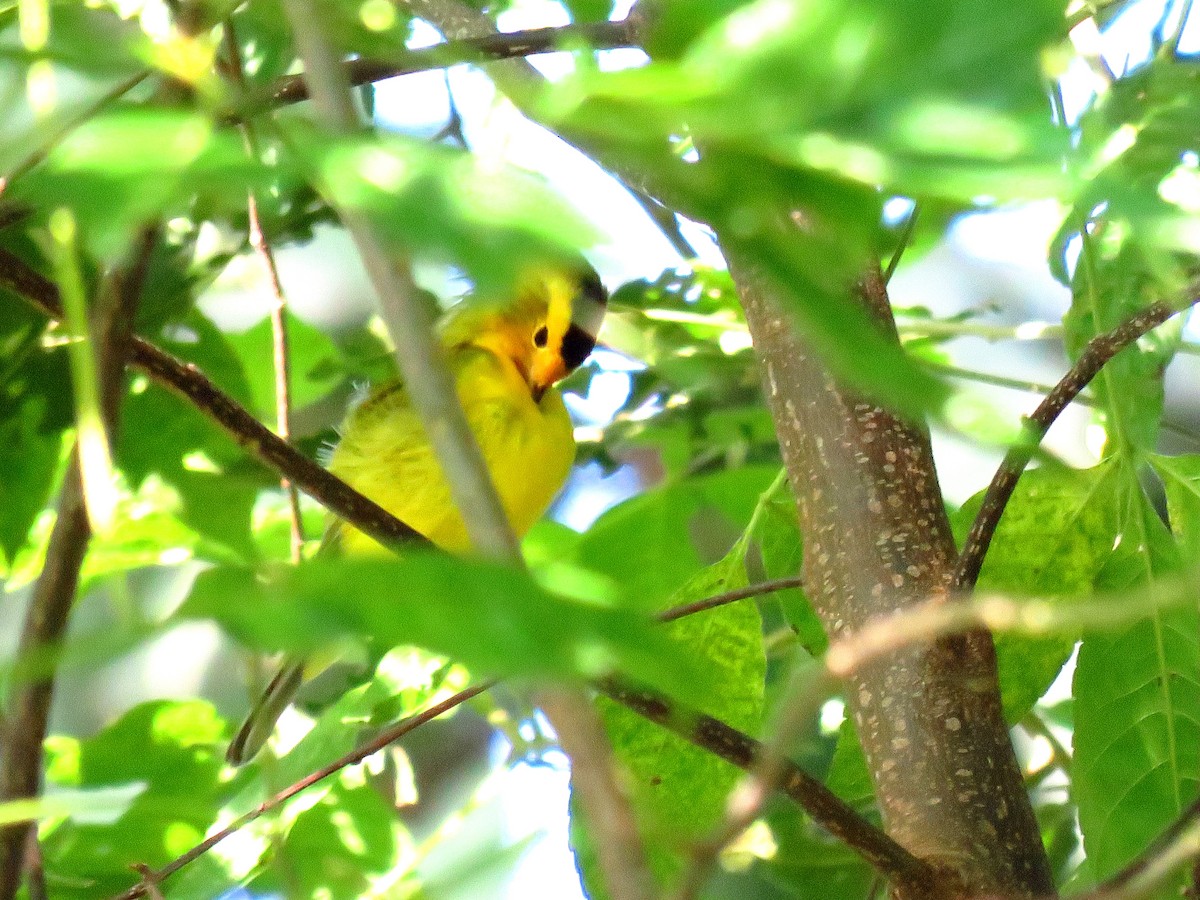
506,359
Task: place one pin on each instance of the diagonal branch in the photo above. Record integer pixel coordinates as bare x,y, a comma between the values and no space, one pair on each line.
1095,355
193,385
388,736
826,808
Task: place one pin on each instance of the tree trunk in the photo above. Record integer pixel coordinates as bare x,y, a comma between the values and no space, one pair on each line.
877,539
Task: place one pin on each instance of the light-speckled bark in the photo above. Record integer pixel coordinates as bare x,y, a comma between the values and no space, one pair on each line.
876,539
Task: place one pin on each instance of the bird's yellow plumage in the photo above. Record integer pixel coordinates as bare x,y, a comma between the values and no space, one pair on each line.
505,359
527,443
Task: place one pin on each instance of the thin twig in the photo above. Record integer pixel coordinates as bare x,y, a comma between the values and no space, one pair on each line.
149,882
1035,726
453,130
489,48
1099,350
279,334
54,593
910,226
936,618
667,222
753,590
386,737
1036,387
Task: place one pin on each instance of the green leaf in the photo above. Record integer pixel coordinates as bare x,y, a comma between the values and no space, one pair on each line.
589,10
944,100
679,791
1113,282
165,435
849,776
446,205
1134,146
174,750
489,617
406,681
314,360
335,847
123,168
105,803
676,25
88,38
780,124
811,865
126,167
1055,537
35,407
777,532
1181,480
1137,704
653,543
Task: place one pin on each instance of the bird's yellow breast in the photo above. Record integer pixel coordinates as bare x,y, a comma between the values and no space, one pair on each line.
529,448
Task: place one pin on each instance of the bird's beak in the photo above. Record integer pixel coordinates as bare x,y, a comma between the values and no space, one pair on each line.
545,372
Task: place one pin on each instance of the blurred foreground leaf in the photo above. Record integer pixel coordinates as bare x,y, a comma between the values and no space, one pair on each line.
493,619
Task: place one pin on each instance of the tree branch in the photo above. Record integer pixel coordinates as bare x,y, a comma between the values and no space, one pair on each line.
487,48
825,807
753,590
1099,350
28,706
667,222
929,714
346,503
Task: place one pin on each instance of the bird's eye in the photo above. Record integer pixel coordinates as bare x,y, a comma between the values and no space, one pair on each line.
540,337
